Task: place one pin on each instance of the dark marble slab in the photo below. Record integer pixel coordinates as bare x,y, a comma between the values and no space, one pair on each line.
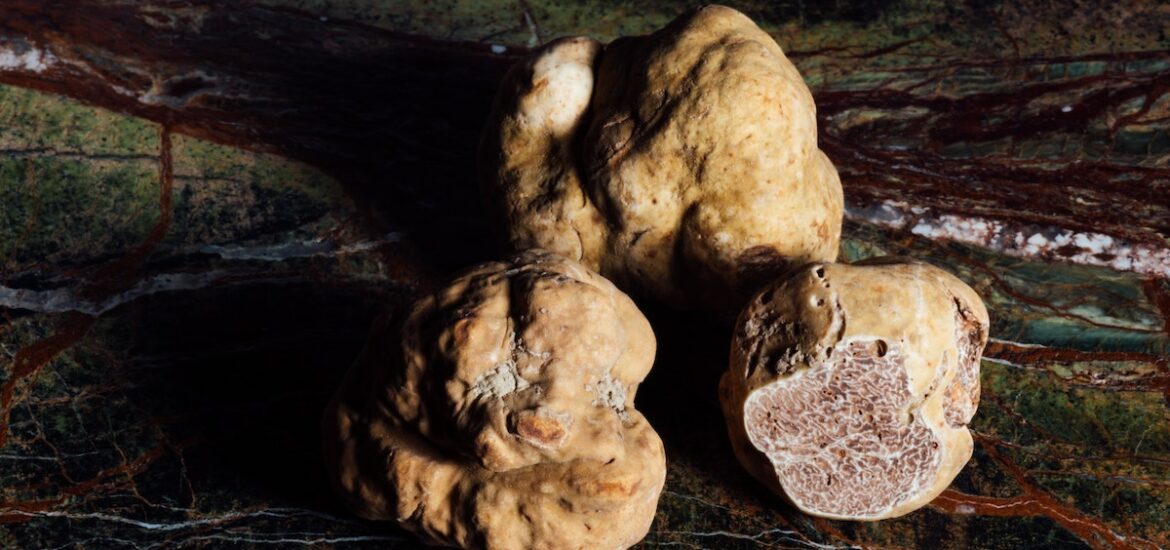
203,205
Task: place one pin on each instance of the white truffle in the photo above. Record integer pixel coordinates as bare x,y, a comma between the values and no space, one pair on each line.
850,386
500,414
683,164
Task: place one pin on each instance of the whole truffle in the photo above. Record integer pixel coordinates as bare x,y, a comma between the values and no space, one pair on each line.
500,414
683,164
850,386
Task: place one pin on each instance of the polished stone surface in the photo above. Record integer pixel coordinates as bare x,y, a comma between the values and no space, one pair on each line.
204,205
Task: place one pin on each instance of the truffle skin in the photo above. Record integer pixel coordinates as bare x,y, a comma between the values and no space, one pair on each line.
683,164
850,386
500,414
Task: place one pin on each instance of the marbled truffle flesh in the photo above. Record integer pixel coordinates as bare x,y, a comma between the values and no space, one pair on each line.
683,165
500,414
850,386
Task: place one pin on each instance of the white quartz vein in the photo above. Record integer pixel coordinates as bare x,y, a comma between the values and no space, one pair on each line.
1019,240
61,300
301,249
313,540
31,59
228,518
785,536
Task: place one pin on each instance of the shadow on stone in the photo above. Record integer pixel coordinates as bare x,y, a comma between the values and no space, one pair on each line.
245,371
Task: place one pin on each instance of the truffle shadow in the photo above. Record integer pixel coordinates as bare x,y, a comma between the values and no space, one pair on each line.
680,400
246,372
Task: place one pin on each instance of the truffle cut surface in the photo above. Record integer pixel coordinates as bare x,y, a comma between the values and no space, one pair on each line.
850,387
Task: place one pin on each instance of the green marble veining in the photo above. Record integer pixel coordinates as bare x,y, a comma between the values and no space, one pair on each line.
1059,305
225,196
67,171
169,336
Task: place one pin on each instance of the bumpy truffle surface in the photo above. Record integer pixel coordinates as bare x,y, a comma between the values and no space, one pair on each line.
500,414
683,164
850,386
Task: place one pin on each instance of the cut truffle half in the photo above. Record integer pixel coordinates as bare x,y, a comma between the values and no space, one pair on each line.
850,386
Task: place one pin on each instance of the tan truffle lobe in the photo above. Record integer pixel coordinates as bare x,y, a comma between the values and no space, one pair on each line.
964,387
692,176
472,423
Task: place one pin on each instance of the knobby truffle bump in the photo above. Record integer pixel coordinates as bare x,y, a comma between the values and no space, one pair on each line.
683,165
500,413
850,386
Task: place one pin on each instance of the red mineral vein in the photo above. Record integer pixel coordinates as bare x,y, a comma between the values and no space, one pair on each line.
1039,356
121,273
1021,353
1035,502
825,526
262,103
31,358
108,279
1031,504
11,510
293,116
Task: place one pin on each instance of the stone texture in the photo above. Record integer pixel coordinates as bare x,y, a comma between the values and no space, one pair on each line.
189,414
